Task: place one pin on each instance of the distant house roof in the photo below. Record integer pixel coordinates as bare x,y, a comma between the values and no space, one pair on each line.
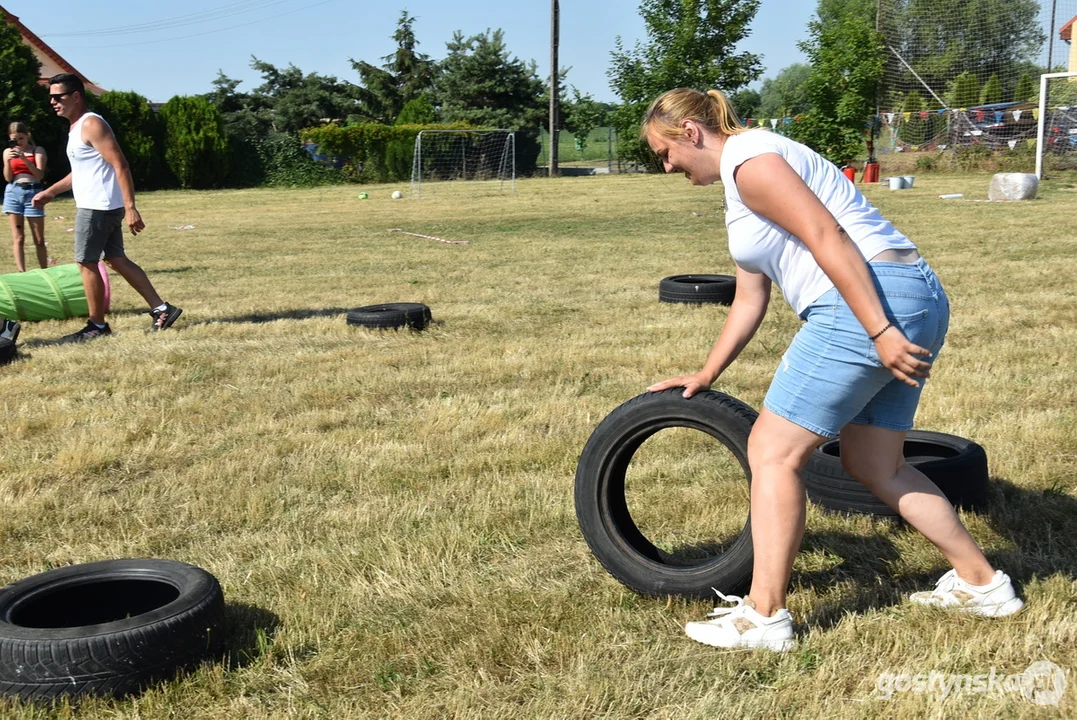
51,61
1066,33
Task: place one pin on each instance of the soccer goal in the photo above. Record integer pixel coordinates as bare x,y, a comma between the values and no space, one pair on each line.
442,155
1056,136
962,74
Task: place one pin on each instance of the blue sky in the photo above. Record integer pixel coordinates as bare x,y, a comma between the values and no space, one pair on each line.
163,49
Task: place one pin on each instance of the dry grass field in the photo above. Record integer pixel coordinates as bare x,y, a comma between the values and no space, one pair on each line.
390,513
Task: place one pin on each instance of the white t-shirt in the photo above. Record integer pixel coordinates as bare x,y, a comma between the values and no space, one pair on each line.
93,181
760,246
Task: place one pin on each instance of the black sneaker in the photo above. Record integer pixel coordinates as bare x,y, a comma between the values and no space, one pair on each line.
90,332
10,330
163,319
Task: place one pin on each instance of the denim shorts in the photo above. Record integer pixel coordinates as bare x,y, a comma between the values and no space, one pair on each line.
17,200
831,374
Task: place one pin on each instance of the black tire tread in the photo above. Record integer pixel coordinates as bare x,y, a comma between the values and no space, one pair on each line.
962,478
388,316
688,581
698,289
113,663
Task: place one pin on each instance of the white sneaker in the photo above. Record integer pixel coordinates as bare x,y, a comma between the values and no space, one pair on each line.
742,627
995,599
9,330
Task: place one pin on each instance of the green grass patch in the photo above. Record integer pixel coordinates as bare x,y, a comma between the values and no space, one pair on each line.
390,513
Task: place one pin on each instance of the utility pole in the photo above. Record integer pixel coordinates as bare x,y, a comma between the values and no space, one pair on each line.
555,22
1051,38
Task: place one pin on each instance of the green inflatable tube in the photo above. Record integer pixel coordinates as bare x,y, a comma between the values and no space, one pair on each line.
54,293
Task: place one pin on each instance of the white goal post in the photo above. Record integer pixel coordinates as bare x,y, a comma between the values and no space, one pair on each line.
464,155
1065,115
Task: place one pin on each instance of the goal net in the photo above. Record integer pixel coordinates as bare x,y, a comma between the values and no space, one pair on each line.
1056,137
484,155
966,72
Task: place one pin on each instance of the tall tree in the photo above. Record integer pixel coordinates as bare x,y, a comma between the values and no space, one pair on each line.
832,12
1025,89
406,74
196,148
139,135
941,41
581,115
690,43
964,91
846,59
786,94
992,90
746,102
480,83
297,100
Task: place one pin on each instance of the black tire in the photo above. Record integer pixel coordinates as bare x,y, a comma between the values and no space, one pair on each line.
956,465
7,350
602,509
718,289
389,316
106,628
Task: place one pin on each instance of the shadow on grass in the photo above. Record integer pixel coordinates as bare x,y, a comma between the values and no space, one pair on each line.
1042,525
175,270
250,633
297,314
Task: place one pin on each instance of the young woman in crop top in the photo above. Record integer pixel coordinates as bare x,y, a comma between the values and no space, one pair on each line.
24,172
875,318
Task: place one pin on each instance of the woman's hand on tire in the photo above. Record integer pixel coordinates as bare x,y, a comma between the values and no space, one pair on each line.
692,384
904,359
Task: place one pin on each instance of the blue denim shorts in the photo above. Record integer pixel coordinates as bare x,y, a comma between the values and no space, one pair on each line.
831,374
17,200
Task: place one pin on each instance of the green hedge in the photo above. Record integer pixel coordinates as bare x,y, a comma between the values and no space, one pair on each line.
373,153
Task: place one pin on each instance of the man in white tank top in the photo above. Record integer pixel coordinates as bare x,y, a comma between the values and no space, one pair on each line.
100,180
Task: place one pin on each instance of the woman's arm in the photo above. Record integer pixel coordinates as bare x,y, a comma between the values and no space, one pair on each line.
749,307
771,188
9,153
36,163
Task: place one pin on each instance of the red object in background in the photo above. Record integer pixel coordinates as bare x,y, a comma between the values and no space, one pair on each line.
871,173
849,173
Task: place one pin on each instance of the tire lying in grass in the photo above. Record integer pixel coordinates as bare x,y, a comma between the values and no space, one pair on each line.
602,508
718,289
106,628
389,316
956,465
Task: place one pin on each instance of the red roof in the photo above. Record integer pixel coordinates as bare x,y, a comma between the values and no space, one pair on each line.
33,40
1066,33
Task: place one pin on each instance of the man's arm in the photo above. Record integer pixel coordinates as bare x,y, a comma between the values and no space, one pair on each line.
48,195
98,135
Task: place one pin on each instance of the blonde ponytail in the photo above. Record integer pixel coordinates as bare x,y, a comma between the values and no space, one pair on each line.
710,110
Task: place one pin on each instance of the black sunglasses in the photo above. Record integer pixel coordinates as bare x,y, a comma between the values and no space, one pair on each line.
58,96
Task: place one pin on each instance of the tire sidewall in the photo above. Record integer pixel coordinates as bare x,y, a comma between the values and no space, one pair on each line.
193,584
599,491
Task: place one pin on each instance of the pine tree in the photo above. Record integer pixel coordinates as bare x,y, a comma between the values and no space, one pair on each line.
992,91
1025,89
196,148
480,83
965,91
406,75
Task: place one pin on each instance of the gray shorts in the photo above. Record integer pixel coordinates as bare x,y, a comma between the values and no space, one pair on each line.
98,234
